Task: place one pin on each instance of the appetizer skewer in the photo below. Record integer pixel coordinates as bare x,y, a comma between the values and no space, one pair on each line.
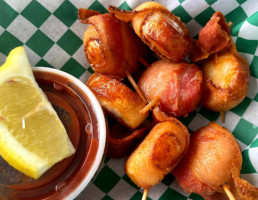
225,72
158,154
111,46
145,194
225,81
118,100
176,88
228,192
160,29
213,159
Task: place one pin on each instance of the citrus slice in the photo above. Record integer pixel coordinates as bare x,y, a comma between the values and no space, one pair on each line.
32,137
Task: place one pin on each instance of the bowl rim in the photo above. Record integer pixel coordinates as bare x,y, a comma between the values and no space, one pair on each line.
101,126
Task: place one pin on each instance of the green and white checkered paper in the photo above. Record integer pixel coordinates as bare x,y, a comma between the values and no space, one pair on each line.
52,36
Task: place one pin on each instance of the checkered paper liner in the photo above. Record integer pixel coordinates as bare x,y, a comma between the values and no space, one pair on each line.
52,36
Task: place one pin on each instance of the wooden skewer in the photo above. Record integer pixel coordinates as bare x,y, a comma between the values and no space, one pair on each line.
146,64
145,194
151,104
137,89
222,116
228,192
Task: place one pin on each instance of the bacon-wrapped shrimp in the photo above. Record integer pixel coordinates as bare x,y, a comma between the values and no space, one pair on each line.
118,100
225,72
158,154
160,29
213,160
111,46
177,86
214,37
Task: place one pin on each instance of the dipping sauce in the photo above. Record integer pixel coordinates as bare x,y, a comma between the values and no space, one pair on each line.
74,109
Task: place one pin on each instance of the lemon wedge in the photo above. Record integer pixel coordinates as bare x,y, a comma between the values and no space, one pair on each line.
32,137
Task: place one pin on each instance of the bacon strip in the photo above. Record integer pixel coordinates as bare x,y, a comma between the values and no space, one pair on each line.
178,85
184,91
84,14
214,37
244,190
121,142
216,34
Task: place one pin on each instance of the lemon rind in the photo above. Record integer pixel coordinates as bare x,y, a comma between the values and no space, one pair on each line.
17,64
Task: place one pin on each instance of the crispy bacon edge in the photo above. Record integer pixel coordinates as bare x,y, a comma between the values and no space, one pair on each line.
213,37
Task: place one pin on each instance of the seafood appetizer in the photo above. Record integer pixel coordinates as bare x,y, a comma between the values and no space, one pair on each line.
225,80
111,46
160,29
175,87
118,100
158,154
212,161
225,72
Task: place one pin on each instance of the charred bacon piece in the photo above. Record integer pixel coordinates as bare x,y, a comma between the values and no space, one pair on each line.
177,85
212,160
118,100
214,37
111,46
160,29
